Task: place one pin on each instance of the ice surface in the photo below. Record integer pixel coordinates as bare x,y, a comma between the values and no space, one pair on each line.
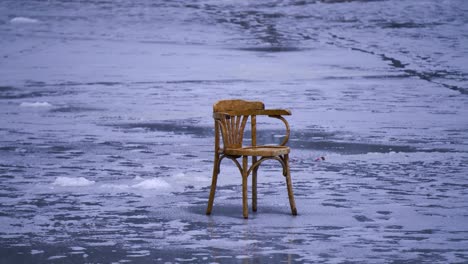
106,135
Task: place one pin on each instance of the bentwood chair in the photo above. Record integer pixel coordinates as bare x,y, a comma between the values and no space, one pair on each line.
231,117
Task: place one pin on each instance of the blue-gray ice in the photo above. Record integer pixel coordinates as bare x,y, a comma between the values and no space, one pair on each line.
106,134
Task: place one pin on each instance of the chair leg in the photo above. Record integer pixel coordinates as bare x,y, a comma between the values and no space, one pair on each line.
254,186
245,205
213,184
292,203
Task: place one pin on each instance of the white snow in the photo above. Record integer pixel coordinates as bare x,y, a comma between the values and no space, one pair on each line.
77,248
185,260
72,182
57,257
104,243
35,104
150,184
24,20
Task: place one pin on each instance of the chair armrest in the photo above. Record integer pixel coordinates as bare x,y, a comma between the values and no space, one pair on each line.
288,131
274,113
268,112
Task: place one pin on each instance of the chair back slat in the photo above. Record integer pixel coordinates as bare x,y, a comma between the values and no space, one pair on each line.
232,126
232,130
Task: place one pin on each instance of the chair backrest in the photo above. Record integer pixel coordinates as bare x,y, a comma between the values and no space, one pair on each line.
237,105
232,126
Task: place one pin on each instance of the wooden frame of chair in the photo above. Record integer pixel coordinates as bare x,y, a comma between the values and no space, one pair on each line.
230,118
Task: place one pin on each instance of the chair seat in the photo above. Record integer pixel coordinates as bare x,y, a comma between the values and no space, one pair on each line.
265,151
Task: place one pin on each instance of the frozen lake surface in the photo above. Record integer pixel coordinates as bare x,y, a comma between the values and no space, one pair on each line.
106,138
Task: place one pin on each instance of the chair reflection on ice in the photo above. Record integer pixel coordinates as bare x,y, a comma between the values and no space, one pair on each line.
230,118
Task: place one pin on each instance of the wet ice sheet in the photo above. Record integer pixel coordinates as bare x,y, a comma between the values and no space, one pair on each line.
392,203
106,130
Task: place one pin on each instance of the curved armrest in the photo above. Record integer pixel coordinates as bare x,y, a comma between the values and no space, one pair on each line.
274,113
268,112
288,131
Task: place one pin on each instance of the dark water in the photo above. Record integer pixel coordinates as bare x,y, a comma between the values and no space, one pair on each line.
106,134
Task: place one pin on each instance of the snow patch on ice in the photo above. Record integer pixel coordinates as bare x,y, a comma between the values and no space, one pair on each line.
57,257
104,243
24,20
139,253
72,182
115,186
151,184
137,178
185,260
177,224
77,248
35,104
190,178
139,183
227,243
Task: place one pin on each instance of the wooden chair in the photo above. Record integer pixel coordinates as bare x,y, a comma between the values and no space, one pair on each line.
230,120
